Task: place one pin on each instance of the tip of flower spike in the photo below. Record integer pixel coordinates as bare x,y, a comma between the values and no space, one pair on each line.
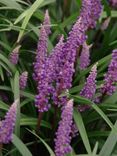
43,33
115,51
94,68
85,45
70,102
14,105
105,23
61,39
25,73
47,22
46,13
16,50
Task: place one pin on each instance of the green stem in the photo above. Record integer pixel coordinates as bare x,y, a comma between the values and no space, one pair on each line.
39,122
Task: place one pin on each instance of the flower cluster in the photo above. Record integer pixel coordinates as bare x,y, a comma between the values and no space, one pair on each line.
14,55
110,79
63,139
85,56
7,125
41,54
48,75
47,23
96,10
42,47
23,80
89,88
113,3
54,73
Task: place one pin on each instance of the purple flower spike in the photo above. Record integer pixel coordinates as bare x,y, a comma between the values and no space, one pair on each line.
75,39
96,10
23,80
113,3
14,55
91,10
85,56
7,125
48,76
89,88
41,54
47,23
110,80
63,138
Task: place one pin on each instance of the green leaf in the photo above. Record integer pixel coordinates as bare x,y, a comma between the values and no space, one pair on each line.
95,149
109,144
111,99
106,7
29,95
103,115
8,63
95,107
81,128
1,73
11,3
5,66
3,105
16,91
28,121
21,146
29,13
45,144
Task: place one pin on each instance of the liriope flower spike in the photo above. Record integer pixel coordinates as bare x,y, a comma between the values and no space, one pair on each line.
89,88
63,138
7,125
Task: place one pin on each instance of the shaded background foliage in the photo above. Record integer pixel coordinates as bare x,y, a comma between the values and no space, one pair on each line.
16,29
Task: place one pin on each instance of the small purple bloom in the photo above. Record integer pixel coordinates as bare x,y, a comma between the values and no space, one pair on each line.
105,24
63,138
7,125
3,96
110,80
14,55
85,56
41,54
54,73
113,3
75,39
23,80
89,88
96,10
48,76
47,23
74,130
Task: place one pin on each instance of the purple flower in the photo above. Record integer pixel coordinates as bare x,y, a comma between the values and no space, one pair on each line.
113,3
47,23
74,130
89,88
96,10
3,96
7,125
91,10
54,74
48,76
41,54
110,80
23,80
75,39
85,56
63,138
105,24
14,55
